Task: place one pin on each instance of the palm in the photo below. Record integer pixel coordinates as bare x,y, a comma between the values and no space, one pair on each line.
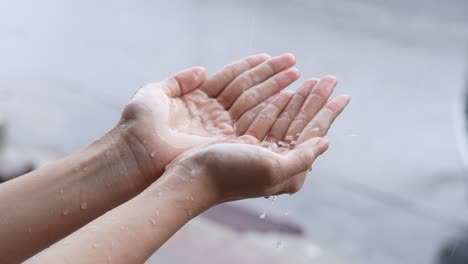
189,110
197,115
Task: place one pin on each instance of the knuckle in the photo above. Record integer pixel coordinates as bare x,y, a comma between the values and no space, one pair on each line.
250,98
230,72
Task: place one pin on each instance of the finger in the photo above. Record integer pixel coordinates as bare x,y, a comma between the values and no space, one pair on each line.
265,120
247,118
215,84
322,122
278,131
315,101
184,82
260,92
300,159
252,77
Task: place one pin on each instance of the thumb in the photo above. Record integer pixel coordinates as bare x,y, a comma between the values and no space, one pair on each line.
185,81
300,159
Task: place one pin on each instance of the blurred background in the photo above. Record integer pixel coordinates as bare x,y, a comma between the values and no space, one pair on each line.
392,188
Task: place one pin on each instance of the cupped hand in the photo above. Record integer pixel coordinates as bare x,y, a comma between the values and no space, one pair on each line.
188,109
278,146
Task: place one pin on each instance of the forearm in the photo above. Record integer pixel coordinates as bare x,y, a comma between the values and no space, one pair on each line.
132,232
45,205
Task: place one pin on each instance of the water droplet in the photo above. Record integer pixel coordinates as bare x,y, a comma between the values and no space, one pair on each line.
85,169
316,129
263,215
289,138
61,191
293,144
153,222
191,198
65,211
283,144
273,198
353,135
273,146
286,213
84,205
153,154
124,126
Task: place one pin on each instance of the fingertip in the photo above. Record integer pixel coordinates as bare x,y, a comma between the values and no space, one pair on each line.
295,72
264,56
322,145
199,73
329,77
289,56
318,145
348,97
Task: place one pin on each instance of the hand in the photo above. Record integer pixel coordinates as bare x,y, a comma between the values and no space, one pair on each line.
249,166
187,110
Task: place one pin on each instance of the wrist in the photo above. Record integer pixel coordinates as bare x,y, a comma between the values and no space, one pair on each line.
186,187
150,156
112,155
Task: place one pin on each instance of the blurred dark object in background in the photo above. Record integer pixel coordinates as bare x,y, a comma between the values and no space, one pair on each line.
11,166
455,251
10,169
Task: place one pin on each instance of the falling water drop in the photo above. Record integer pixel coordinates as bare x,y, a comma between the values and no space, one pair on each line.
279,244
273,198
84,205
263,215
